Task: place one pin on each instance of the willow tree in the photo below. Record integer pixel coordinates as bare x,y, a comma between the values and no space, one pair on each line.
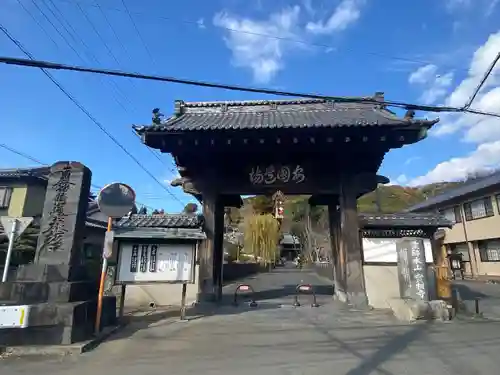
261,239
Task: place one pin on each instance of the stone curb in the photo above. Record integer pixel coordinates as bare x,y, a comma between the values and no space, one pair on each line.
61,350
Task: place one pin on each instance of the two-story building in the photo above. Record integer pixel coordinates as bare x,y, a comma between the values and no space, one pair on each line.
474,207
22,194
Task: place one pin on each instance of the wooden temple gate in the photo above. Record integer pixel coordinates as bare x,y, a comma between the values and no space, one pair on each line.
329,150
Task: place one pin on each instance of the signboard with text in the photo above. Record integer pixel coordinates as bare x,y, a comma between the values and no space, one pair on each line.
146,263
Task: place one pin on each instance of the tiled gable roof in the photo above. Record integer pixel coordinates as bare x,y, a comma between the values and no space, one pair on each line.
467,188
285,114
403,220
20,173
161,221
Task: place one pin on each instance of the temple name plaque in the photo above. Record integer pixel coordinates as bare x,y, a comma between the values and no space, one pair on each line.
272,174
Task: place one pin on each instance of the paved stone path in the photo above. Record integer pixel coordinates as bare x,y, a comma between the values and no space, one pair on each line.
276,338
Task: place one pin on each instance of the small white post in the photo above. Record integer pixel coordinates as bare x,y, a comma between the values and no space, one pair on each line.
12,237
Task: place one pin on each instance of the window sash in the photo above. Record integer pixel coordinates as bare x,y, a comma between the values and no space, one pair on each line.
5,195
489,251
452,214
449,214
478,209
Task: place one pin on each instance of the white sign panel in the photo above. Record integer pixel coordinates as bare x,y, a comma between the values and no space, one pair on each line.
143,263
14,316
383,250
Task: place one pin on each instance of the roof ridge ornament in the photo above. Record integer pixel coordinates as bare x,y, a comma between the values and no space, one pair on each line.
178,108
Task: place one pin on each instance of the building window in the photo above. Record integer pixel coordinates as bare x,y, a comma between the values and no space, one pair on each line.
489,251
478,209
452,214
5,195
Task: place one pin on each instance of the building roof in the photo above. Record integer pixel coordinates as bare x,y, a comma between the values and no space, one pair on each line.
406,220
467,188
40,173
161,221
280,114
168,227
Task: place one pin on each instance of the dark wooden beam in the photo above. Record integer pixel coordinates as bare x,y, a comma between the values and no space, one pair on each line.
232,201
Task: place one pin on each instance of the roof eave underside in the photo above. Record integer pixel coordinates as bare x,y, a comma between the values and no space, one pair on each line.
174,129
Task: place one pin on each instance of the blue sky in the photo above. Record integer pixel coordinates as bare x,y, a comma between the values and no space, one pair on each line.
426,51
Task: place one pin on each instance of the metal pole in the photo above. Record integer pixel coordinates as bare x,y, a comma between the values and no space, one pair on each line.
12,237
183,301
101,285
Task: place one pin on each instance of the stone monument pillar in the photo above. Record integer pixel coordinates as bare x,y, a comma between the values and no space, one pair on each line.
412,269
58,285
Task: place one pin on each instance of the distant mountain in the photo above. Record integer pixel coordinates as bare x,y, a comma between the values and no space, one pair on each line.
393,198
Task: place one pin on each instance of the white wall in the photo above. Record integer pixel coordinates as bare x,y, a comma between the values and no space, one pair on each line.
137,296
382,285
383,250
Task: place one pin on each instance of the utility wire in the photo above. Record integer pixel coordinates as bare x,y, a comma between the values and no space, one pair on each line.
483,81
37,161
261,35
89,115
138,32
56,66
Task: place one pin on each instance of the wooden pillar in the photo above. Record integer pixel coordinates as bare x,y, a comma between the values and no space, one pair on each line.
218,250
211,250
351,283
334,226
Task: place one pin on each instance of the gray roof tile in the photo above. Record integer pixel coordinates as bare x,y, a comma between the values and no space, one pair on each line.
406,220
19,173
272,114
461,191
161,221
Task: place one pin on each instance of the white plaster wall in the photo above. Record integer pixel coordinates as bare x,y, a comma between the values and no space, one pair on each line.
382,285
161,294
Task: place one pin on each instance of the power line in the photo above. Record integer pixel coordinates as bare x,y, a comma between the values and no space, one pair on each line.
37,161
89,115
261,35
483,81
138,32
56,66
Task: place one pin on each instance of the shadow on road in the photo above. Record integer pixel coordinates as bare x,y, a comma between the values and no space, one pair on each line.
467,293
371,364
161,318
279,293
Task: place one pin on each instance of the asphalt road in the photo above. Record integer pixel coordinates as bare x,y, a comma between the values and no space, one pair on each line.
276,338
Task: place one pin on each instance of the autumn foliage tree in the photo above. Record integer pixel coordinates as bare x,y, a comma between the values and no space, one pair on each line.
190,208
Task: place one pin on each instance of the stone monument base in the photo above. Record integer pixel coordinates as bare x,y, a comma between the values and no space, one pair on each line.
60,323
61,312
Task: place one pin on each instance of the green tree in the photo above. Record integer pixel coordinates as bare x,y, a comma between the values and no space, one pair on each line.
262,237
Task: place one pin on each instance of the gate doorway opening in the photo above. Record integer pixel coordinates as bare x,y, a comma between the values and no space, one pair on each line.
330,150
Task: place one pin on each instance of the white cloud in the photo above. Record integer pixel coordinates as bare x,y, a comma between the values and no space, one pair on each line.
345,14
478,129
172,177
201,23
485,158
412,159
252,47
263,55
486,6
435,85
401,180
